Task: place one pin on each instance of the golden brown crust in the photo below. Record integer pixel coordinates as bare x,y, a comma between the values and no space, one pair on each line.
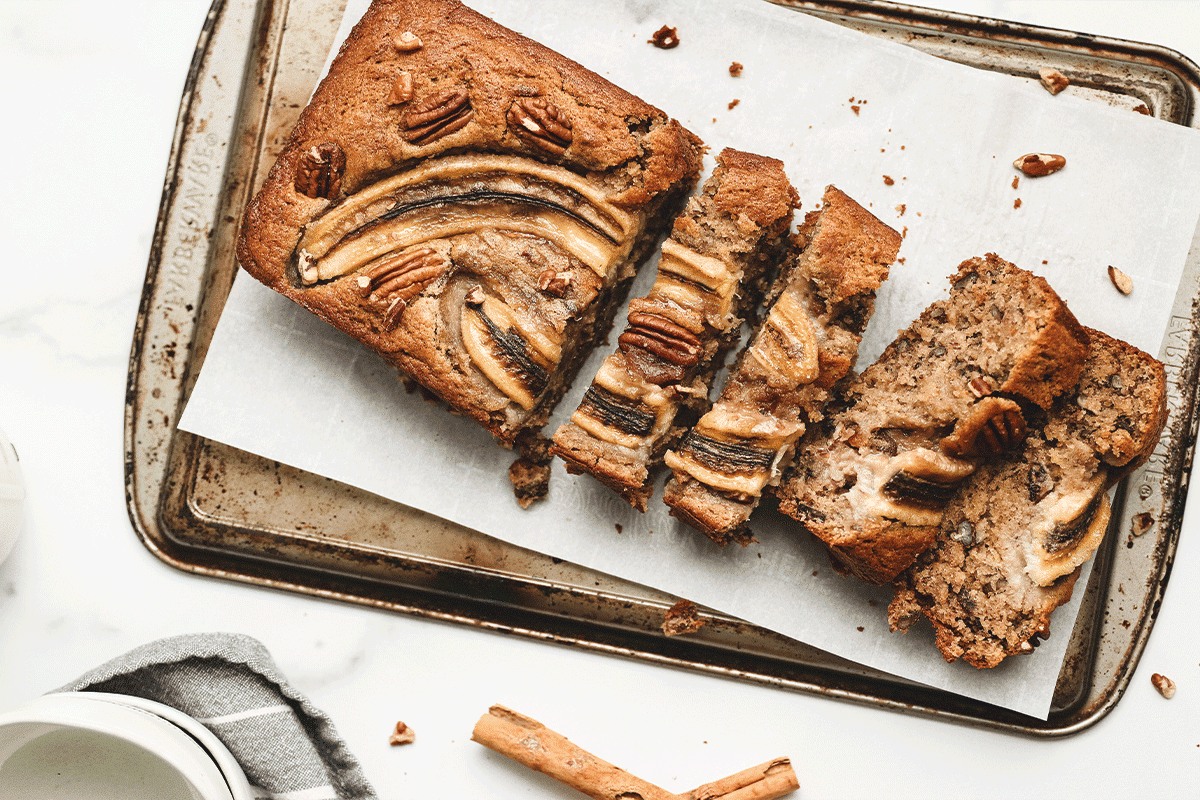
421,84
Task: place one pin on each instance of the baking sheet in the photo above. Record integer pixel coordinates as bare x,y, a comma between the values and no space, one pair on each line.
944,135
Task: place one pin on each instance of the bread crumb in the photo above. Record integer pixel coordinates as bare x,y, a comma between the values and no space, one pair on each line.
1053,80
900,209
1142,109
854,108
683,617
1016,180
887,180
1017,203
665,38
733,103
402,734
735,69
1141,523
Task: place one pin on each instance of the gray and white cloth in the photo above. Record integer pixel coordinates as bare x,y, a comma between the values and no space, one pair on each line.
288,748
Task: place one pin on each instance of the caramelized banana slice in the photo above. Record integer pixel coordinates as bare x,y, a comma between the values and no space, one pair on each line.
912,487
1071,522
465,194
513,355
786,346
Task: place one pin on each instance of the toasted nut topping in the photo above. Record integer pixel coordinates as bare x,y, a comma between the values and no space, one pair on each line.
475,295
662,337
407,42
319,172
665,38
1164,685
1053,80
993,426
402,89
437,116
554,283
1119,279
539,122
1037,165
964,533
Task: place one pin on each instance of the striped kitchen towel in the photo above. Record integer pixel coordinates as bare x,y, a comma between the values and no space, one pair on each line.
288,749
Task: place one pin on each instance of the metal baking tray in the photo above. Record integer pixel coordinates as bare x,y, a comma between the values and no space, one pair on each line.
213,510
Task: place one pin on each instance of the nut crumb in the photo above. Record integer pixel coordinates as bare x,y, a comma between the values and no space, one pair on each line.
735,69
1016,181
1017,203
888,181
1142,109
402,734
407,42
900,209
855,109
683,617
1119,279
1037,165
665,38
1141,523
733,103
1164,685
1053,80
402,90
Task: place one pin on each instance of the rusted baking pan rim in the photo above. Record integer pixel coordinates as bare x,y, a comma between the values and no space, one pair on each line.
188,277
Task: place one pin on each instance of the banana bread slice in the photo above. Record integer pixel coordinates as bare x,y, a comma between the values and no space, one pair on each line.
807,343
469,204
713,269
953,389
1011,542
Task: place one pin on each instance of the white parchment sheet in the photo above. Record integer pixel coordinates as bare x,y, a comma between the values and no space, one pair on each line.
837,107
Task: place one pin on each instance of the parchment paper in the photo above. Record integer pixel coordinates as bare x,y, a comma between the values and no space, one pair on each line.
926,145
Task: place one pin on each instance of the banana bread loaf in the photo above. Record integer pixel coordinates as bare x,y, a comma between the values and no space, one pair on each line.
469,204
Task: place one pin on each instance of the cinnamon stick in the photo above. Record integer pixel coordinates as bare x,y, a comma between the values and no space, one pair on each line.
531,743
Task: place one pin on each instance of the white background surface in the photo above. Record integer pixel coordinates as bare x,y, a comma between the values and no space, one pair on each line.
90,92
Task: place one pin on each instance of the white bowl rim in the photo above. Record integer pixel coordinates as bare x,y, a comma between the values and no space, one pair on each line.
239,786
139,727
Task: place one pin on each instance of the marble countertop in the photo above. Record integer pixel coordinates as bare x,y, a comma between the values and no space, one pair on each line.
92,89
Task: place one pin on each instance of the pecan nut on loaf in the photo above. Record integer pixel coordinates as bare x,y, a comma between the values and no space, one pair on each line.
953,390
469,204
1012,540
722,251
808,341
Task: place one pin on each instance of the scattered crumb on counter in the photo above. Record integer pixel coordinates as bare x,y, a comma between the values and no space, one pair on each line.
1016,181
887,180
402,734
1017,203
735,69
665,38
1164,685
733,103
1119,279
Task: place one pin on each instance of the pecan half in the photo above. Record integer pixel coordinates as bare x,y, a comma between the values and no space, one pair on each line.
662,337
993,426
539,122
319,171
400,279
437,116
